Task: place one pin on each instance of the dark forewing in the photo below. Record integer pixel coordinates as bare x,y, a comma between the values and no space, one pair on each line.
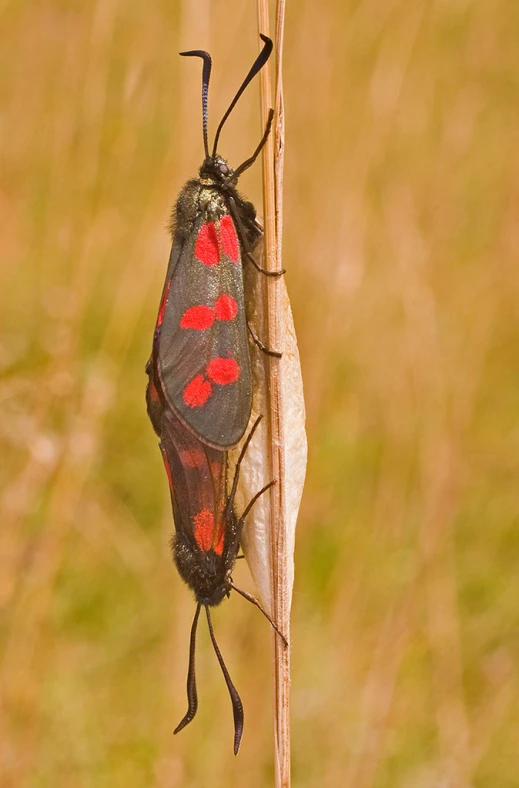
197,479
203,352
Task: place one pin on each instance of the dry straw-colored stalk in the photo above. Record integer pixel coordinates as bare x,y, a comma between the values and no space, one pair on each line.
279,450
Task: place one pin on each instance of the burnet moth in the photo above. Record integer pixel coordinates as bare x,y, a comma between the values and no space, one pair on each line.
199,393
203,361
207,528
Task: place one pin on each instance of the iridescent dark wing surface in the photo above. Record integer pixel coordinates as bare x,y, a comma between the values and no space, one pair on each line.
197,480
203,353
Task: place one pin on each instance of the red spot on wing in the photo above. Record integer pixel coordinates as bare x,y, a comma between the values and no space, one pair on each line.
198,317
229,238
219,540
163,304
197,392
204,529
225,307
216,468
206,246
223,370
193,458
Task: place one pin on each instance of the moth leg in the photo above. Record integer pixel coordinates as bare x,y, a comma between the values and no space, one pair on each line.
230,499
252,502
250,161
259,343
263,271
254,601
241,235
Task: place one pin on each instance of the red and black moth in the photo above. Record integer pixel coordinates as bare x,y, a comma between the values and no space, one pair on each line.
207,528
203,361
199,393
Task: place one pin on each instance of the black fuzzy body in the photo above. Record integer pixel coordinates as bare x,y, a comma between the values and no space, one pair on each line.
211,195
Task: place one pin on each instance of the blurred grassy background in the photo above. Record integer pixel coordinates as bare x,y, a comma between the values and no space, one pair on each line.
402,187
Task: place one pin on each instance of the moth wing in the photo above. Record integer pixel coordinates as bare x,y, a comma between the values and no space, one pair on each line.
197,476
154,400
203,350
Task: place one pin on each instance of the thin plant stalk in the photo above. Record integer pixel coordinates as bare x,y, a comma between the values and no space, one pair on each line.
272,204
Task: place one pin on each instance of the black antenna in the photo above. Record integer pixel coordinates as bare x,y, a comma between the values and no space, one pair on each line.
192,697
256,66
206,75
237,706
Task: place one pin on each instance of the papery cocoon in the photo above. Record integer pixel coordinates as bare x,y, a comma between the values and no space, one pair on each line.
256,469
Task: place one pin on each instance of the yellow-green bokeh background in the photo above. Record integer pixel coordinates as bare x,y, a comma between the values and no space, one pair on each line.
401,249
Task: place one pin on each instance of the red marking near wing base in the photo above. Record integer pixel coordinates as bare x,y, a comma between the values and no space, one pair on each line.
225,307
193,458
163,305
168,469
229,238
204,529
206,246
197,392
198,317
154,394
216,468
218,543
223,370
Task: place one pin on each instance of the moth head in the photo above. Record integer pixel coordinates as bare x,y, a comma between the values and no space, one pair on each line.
214,597
216,168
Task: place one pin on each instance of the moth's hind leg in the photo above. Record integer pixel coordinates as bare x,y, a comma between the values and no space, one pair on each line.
261,270
262,347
